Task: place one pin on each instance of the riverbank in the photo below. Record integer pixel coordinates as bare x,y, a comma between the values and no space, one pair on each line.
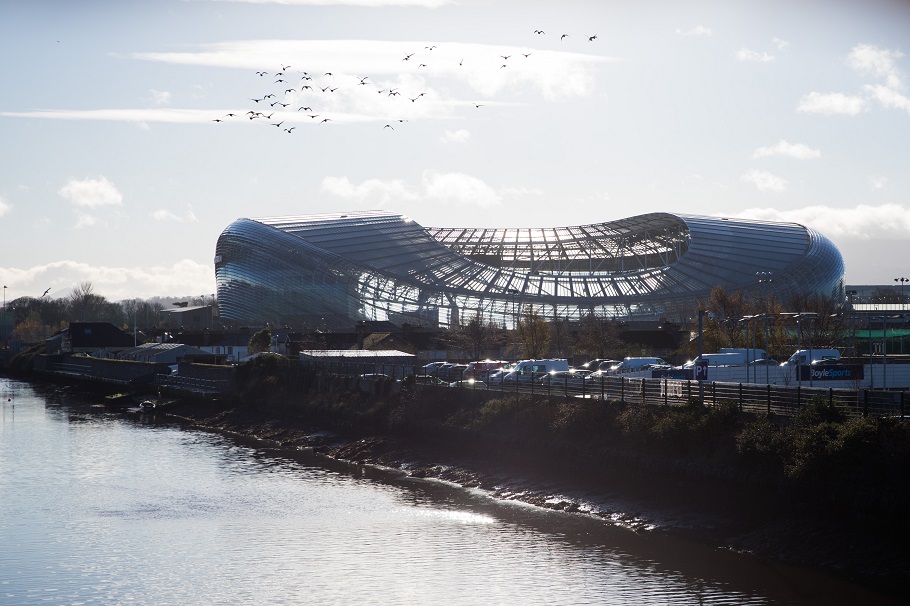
713,502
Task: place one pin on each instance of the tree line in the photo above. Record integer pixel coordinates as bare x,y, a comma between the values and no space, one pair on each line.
37,318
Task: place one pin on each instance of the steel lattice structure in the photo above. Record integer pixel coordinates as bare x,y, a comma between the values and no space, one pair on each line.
330,271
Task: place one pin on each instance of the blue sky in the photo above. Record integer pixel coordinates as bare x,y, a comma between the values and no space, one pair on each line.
116,172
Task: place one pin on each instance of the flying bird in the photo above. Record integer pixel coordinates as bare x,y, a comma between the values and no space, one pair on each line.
421,65
430,47
285,67
389,126
538,31
564,36
592,38
406,57
324,120
45,292
506,57
287,130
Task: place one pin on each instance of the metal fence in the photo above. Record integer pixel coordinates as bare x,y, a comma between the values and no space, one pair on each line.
747,397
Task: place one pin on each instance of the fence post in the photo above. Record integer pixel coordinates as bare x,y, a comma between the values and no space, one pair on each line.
902,403
830,397
665,393
714,394
799,399
602,395
622,389
865,402
688,391
769,399
740,396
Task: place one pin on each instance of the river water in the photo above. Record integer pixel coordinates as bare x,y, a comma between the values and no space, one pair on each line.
102,507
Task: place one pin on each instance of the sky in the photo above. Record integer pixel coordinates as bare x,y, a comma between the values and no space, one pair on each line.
130,138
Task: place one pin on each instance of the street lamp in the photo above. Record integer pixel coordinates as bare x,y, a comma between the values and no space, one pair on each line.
514,294
901,281
701,315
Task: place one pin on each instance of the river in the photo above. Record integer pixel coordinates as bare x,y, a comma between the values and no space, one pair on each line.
102,507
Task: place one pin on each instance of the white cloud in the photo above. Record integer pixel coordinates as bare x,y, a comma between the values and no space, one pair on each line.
91,193
556,74
864,222
435,187
745,54
372,190
831,103
373,3
792,150
879,62
185,116
85,220
780,44
456,136
459,188
115,283
765,181
160,97
166,215
878,182
5,207
888,97
698,30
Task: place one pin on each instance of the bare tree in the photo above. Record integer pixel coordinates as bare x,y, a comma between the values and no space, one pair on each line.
534,334
599,337
476,337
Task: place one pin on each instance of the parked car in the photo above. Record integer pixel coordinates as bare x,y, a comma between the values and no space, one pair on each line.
571,379
453,372
432,367
531,370
764,362
480,369
597,364
469,384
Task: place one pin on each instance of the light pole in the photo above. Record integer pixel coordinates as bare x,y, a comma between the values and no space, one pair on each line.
701,391
514,294
901,281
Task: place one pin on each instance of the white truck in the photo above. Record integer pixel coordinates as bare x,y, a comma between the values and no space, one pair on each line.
730,356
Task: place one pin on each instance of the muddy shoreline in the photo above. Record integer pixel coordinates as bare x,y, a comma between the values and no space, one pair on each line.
718,515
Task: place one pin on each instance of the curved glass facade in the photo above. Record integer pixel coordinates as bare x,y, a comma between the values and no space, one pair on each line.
329,271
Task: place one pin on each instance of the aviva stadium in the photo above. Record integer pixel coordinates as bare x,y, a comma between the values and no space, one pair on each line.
329,271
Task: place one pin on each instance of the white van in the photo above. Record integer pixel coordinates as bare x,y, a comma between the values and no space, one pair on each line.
801,356
633,364
729,356
526,370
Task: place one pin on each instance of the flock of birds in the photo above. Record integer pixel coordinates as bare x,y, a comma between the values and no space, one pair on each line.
272,107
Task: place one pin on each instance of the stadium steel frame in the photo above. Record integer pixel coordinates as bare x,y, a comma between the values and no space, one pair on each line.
329,271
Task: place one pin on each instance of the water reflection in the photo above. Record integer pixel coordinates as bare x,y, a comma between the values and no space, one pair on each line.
105,507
